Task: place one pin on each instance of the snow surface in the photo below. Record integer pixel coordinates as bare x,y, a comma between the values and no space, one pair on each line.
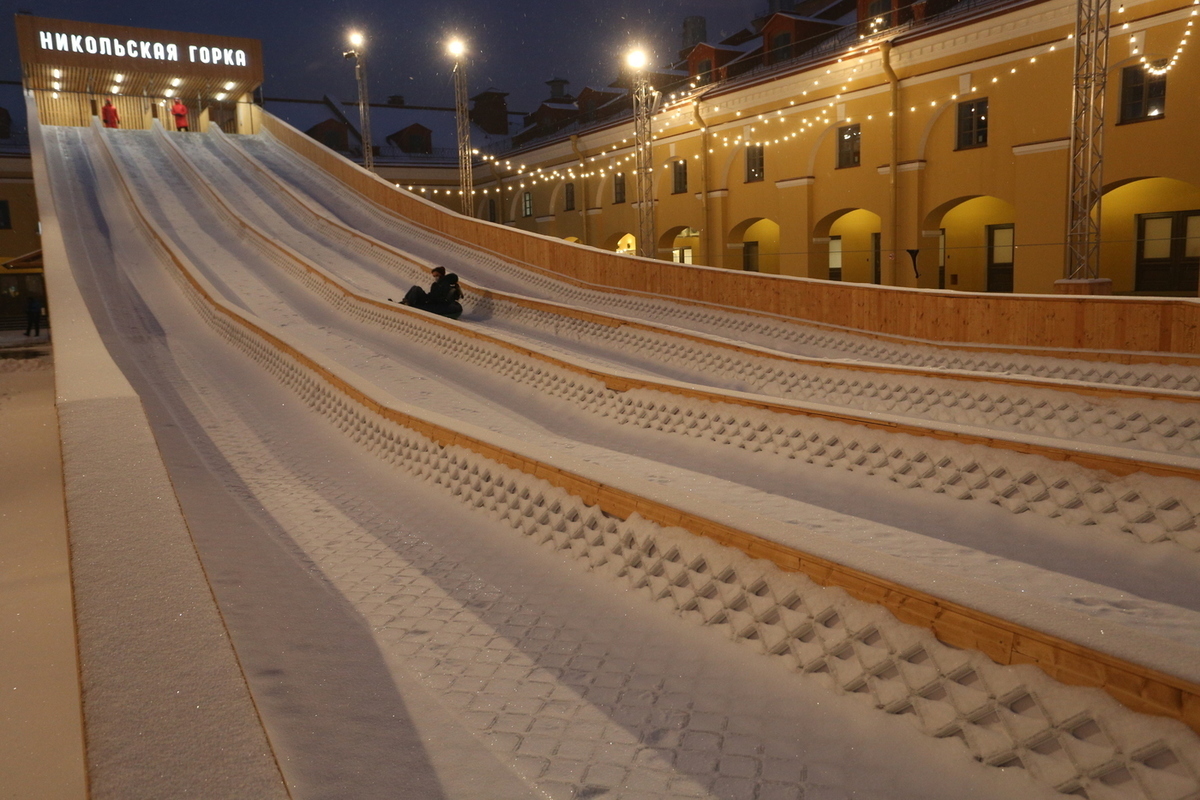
396,552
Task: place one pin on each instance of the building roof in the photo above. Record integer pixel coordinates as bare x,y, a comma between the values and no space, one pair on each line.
385,119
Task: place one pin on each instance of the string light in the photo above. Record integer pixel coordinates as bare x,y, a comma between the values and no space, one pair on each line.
679,105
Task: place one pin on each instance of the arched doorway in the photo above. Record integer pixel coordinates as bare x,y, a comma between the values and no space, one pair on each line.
679,244
1150,237
758,238
623,243
849,238
976,243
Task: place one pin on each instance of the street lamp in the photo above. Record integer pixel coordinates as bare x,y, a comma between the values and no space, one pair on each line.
643,108
457,50
364,112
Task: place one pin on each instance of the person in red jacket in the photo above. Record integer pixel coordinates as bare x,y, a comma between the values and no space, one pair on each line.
109,115
180,111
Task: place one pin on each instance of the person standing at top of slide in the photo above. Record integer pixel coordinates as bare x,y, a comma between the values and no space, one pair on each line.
109,115
180,112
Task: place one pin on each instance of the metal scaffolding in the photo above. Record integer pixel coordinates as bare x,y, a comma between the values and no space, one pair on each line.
643,138
1087,139
465,180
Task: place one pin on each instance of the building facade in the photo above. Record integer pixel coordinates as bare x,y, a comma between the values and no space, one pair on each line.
932,154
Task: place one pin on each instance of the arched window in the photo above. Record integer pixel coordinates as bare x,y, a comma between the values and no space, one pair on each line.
569,197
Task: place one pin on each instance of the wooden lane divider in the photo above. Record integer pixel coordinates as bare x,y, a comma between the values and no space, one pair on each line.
1140,688
1116,329
1075,387
1114,463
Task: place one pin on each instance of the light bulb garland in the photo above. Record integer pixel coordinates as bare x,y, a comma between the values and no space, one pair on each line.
679,105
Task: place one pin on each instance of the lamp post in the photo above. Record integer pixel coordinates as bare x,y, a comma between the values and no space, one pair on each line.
364,111
457,50
643,108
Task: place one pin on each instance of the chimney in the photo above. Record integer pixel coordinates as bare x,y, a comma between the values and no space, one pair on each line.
558,90
695,31
490,111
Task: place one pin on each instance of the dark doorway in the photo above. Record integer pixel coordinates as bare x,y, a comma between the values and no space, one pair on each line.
750,256
1000,258
1168,252
877,258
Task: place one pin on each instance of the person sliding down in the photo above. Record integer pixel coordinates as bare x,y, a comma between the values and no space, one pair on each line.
442,297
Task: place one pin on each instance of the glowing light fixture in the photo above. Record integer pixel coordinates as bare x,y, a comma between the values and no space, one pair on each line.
220,95
57,73
169,92
176,81
636,58
229,85
356,39
119,78
115,89
456,47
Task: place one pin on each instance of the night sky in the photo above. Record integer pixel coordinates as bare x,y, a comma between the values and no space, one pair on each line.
517,46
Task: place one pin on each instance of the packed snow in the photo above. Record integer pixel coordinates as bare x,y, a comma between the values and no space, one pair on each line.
548,670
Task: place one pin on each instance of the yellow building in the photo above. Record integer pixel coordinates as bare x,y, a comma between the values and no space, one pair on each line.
948,136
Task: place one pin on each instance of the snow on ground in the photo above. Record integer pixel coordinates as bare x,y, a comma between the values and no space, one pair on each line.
395,639
532,666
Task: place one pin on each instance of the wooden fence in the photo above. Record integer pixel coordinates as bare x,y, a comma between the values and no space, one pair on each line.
1124,329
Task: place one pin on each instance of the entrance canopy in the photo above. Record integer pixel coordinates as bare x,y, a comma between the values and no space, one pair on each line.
73,67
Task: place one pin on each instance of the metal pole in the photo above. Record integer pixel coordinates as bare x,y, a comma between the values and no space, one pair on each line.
364,109
643,106
465,178
1087,139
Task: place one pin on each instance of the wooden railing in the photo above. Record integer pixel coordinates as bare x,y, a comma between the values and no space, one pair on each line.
1123,329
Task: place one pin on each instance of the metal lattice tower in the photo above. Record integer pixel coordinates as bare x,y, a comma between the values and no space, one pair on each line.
643,110
465,178
1087,139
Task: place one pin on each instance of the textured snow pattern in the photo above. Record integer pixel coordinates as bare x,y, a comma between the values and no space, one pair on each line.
1074,740
1151,510
1007,408
1071,739
767,331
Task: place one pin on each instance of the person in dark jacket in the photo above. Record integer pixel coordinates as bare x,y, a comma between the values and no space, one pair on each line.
33,314
442,297
109,115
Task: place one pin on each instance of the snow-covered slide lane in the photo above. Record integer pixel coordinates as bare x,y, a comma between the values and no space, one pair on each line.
1006,716
1147,574
573,389
1140,424
1140,505
764,330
